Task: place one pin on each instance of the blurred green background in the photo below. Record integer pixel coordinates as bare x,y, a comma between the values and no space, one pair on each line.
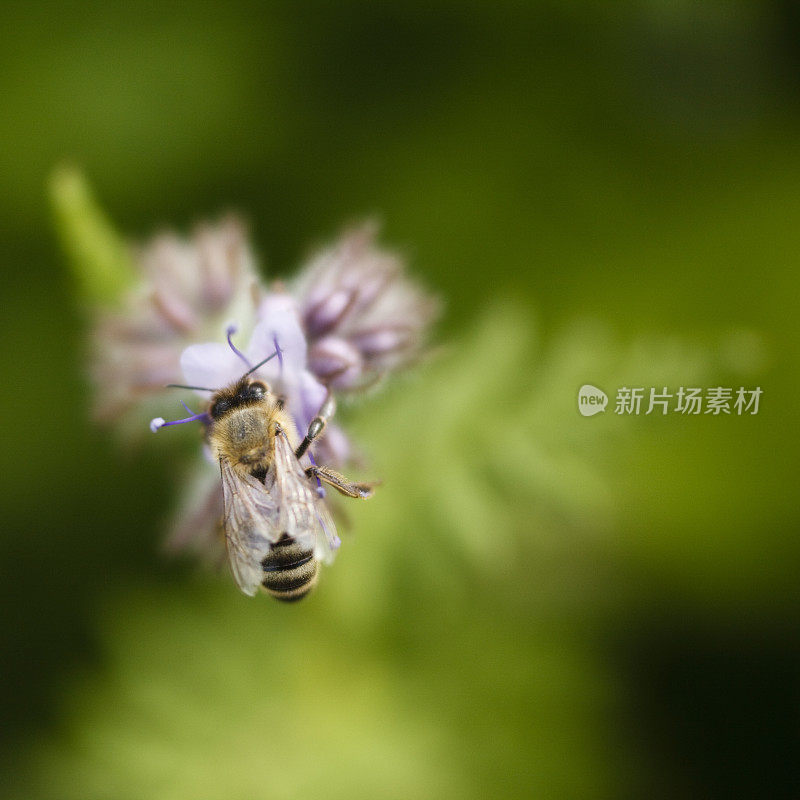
535,604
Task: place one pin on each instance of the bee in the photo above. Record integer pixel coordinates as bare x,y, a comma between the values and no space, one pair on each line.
276,524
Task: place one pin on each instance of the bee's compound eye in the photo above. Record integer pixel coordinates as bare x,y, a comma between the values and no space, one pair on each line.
257,389
219,408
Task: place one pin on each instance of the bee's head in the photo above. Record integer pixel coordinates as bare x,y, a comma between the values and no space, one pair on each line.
244,393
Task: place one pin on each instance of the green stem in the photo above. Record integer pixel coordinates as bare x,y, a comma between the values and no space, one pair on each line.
100,260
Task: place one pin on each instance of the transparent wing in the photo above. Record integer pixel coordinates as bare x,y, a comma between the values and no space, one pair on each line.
302,513
196,522
250,519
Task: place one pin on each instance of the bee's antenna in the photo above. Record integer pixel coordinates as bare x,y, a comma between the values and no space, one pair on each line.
228,333
278,352
181,386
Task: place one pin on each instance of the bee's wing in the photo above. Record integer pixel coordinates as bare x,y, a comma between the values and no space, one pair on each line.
251,525
302,513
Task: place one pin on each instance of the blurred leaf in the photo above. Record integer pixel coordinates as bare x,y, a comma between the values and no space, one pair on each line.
442,651
207,695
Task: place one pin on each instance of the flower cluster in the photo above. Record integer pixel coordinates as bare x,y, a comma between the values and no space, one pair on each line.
362,316
351,317
186,290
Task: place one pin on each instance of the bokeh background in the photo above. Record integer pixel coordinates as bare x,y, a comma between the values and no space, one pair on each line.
535,604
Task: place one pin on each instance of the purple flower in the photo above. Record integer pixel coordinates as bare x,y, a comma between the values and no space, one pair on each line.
351,317
216,365
363,317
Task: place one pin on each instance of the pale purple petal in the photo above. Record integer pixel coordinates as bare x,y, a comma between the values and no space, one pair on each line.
333,447
279,321
306,399
212,365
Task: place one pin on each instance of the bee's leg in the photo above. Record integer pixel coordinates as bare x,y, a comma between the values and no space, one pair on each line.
317,425
339,482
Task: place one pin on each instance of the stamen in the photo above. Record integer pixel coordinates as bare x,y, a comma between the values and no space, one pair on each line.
231,329
159,422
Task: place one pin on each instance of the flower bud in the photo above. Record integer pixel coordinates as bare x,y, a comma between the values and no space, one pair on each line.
336,362
327,313
363,316
383,341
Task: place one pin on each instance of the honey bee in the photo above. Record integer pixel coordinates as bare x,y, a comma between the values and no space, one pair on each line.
277,526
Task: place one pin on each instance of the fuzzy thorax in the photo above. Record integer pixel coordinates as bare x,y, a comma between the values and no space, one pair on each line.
245,436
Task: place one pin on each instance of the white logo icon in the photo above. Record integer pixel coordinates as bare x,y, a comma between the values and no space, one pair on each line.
591,400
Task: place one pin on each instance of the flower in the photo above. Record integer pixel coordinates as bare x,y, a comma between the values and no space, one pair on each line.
185,291
276,353
351,317
216,365
363,317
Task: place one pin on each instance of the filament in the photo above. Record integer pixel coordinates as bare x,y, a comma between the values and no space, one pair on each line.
228,333
160,422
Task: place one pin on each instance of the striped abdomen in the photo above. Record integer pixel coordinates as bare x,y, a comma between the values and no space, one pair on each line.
290,570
